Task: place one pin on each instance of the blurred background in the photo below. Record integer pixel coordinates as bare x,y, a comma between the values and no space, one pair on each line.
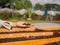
29,10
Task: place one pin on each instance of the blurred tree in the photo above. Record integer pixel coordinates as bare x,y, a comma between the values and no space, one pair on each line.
38,6
58,8
52,6
27,6
19,4
3,2
11,3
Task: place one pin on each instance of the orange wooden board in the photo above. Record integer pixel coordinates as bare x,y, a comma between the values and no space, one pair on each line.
17,29
29,42
16,35
55,28
33,42
29,29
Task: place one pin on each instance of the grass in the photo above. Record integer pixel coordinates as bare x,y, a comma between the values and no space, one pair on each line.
30,21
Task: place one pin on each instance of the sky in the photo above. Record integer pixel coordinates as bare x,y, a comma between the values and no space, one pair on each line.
45,1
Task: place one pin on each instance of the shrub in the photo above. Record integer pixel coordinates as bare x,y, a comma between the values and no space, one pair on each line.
5,15
37,17
17,15
56,17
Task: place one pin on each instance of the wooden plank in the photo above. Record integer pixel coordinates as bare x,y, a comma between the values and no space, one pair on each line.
15,35
30,29
50,29
17,29
33,42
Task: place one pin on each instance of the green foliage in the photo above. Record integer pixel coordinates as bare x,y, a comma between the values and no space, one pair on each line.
11,3
19,5
0,2
17,16
38,7
3,2
58,8
29,12
6,15
52,6
27,4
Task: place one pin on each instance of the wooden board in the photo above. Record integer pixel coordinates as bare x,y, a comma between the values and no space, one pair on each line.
30,29
33,42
